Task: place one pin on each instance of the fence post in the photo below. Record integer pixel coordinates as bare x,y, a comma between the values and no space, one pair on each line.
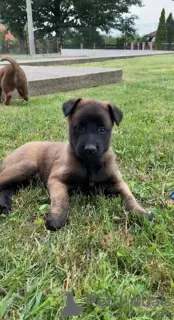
81,46
132,45
94,46
150,45
143,45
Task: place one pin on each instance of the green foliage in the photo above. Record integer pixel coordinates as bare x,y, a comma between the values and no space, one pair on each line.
13,14
86,36
120,40
169,19
2,41
7,45
170,30
109,39
58,16
127,27
161,36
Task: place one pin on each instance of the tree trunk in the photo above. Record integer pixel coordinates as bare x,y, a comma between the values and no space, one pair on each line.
58,25
22,43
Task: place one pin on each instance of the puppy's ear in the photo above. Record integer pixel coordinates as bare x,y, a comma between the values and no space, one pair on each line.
116,114
68,106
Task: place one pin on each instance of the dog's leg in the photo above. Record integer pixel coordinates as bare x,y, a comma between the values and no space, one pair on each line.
23,94
59,204
9,179
0,94
8,97
131,203
6,200
16,173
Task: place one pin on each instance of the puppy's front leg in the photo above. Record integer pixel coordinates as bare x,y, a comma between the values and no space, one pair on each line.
59,204
131,203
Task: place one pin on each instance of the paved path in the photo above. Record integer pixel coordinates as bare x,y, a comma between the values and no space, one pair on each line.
111,52
70,56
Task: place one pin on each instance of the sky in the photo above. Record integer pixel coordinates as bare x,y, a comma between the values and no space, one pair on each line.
150,13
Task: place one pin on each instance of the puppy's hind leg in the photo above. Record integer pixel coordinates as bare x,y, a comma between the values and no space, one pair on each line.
6,200
8,97
10,177
16,173
0,94
22,88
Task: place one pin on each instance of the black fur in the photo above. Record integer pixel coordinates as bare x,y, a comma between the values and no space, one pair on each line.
90,135
6,200
69,106
116,114
90,128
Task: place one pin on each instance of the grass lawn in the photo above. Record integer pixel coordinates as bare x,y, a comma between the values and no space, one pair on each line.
101,251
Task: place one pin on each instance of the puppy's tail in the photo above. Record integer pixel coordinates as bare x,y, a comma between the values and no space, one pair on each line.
12,61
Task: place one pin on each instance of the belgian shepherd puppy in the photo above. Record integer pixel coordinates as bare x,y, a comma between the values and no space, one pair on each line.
86,162
12,77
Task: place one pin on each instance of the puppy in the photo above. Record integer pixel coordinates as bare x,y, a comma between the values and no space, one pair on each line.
86,162
13,77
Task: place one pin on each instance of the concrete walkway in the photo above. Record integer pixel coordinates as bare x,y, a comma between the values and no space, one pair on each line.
92,56
71,56
111,52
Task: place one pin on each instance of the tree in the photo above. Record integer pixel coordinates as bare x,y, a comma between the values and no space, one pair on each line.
127,27
2,41
108,39
87,37
13,15
57,16
170,30
161,36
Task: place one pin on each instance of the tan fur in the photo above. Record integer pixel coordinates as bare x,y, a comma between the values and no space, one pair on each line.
12,77
56,164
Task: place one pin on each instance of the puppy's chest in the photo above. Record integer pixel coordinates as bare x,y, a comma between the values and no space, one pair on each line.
87,180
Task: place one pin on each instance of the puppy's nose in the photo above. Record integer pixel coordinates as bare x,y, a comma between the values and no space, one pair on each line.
90,148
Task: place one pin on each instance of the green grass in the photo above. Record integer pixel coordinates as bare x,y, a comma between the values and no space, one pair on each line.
101,251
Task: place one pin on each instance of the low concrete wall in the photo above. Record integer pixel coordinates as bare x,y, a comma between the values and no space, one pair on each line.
48,86
47,80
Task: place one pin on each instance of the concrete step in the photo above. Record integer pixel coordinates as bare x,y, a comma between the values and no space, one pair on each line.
47,80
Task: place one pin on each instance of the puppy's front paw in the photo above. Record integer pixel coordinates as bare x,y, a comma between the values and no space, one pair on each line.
55,222
133,206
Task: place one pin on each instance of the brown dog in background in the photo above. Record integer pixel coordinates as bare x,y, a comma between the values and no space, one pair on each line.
86,162
12,77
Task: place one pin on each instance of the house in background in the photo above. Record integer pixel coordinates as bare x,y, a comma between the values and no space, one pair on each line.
150,37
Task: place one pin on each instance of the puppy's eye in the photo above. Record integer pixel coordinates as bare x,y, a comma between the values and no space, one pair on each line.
79,127
102,129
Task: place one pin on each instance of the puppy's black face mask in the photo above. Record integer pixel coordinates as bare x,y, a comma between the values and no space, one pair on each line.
90,127
90,135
